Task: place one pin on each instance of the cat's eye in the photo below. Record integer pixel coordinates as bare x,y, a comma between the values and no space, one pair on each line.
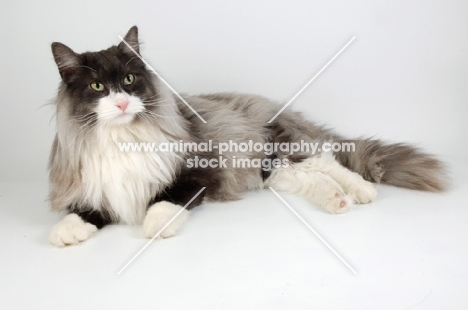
129,79
97,86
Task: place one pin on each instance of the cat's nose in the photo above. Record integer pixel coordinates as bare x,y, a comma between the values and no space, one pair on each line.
122,105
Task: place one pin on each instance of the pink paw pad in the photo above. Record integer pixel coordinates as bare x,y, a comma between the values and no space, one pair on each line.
342,202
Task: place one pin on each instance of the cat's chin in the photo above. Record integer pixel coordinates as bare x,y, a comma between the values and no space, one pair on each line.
122,119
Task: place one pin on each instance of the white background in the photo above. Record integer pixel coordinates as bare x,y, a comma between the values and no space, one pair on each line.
404,78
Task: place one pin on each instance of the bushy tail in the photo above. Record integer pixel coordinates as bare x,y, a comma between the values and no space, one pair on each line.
396,164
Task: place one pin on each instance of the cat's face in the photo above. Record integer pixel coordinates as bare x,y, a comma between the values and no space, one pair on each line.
111,86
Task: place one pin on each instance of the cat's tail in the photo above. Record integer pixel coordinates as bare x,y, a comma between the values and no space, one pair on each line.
397,164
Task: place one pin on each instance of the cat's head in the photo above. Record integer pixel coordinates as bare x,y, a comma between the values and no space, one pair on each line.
111,86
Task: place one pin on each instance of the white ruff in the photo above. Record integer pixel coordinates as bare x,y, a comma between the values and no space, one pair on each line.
125,181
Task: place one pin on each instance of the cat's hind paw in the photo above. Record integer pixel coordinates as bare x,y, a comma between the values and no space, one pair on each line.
159,215
71,230
338,203
364,192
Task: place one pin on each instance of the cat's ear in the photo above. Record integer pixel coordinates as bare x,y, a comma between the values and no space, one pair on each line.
65,58
131,38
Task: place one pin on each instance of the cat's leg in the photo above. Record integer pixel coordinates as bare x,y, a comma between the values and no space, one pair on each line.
77,227
172,201
312,184
360,190
159,214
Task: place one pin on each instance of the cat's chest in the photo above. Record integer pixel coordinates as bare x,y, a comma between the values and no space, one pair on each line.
116,167
122,156
128,177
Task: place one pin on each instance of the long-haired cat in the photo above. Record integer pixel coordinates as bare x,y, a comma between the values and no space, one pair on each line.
109,97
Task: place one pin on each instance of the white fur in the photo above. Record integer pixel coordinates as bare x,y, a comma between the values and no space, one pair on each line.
323,181
159,215
126,181
71,230
109,113
360,190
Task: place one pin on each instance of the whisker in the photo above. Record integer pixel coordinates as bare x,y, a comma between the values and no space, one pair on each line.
150,96
157,115
82,66
153,101
82,117
81,129
157,105
130,60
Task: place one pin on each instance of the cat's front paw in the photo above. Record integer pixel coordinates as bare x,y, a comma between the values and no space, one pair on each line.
364,192
71,230
159,215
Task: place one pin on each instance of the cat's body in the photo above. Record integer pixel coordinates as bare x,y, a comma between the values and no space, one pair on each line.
107,98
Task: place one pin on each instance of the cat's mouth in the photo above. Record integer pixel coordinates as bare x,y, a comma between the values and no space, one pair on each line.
124,118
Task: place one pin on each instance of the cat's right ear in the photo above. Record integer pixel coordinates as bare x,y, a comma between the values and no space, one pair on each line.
66,59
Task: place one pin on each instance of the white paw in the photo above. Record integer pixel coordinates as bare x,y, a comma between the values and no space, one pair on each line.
364,192
71,230
159,215
338,202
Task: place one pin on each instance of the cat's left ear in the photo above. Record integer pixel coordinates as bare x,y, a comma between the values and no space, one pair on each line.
131,38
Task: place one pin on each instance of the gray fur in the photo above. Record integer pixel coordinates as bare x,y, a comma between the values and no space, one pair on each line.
242,117
397,164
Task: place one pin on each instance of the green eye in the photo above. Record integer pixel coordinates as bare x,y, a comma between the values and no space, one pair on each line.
97,86
129,79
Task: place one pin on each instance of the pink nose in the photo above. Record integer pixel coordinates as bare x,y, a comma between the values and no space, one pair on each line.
122,105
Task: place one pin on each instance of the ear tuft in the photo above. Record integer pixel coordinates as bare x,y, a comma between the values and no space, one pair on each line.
131,38
65,58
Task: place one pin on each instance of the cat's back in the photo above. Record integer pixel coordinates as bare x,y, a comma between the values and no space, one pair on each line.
231,115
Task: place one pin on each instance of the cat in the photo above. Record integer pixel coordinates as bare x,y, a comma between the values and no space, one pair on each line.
110,97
